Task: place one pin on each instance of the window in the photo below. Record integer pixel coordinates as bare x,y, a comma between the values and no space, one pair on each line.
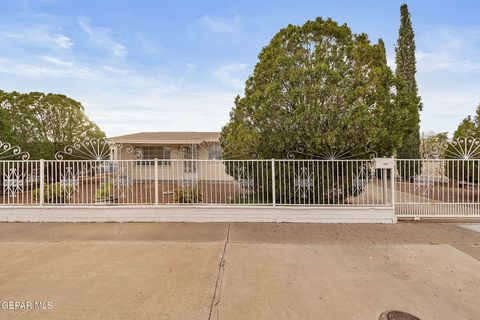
214,152
191,154
154,152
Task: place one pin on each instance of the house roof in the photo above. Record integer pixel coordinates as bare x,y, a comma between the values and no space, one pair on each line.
167,137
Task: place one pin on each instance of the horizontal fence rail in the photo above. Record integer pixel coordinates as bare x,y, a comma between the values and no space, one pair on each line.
437,187
195,182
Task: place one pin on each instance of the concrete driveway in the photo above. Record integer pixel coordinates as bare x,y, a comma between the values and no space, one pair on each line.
238,271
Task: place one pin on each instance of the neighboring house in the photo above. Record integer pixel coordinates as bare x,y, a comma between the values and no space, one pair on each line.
176,154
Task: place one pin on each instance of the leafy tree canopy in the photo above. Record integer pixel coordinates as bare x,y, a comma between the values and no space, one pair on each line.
318,85
469,127
5,129
43,124
465,149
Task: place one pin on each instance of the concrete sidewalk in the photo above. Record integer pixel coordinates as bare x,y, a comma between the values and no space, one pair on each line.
240,271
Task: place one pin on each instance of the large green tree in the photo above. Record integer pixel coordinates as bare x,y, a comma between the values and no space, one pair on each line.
5,128
465,146
43,124
321,86
318,85
469,127
407,99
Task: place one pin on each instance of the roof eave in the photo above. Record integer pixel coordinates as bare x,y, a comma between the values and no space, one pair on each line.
146,141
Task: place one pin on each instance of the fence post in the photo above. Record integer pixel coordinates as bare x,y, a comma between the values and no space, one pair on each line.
384,180
392,177
273,182
156,182
42,181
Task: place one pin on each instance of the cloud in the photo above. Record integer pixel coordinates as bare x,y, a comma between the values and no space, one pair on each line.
200,109
56,69
448,65
38,35
430,62
62,41
220,24
46,67
190,66
450,49
120,95
120,99
55,60
146,44
226,73
444,109
101,38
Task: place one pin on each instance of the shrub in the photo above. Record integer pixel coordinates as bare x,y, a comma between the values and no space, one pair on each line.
36,194
187,195
104,192
54,193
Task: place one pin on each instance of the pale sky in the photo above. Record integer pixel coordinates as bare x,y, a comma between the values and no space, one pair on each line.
178,65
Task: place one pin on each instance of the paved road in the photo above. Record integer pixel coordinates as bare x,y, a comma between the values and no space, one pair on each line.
239,271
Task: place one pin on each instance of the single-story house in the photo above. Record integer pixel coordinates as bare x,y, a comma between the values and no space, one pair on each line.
176,153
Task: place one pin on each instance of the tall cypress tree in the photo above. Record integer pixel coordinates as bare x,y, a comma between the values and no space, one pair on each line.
407,91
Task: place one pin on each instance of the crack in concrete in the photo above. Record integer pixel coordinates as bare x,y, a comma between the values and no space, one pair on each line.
465,249
217,293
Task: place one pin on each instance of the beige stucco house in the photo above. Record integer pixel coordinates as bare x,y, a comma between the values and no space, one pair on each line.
179,155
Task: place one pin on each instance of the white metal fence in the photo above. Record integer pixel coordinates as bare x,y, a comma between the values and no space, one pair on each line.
195,182
417,188
438,187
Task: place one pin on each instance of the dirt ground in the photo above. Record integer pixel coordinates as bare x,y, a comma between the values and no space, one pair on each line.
238,271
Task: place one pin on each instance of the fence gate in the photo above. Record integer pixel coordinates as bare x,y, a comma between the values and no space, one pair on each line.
445,183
